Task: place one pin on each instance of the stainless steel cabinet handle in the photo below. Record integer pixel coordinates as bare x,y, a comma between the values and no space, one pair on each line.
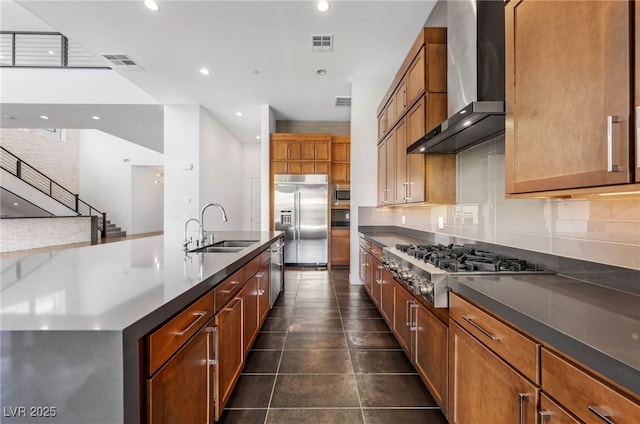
544,415
407,313
200,315
480,329
521,398
260,292
611,119
601,413
233,283
231,308
214,345
413,320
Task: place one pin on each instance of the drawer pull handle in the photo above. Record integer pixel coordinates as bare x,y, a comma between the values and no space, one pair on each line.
611,119
601,413
544,415
480,329
521,398
199,314
238,301
233,283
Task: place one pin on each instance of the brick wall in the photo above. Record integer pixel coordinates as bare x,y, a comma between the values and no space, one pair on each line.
31,233
56,159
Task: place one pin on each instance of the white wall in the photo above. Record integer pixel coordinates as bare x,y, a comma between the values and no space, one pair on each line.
221,174
181,151
366,94
267,126
105,174
250,170
147,199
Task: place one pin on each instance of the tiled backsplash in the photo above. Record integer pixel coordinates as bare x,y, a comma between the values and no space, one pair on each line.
605,230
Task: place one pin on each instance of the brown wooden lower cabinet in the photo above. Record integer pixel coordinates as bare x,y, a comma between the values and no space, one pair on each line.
375,274
251,325
403,302
387,295
340,246
483,388
431,353
230,352
264,303
181,391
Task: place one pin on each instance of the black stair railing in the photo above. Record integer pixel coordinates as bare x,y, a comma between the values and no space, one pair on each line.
36,179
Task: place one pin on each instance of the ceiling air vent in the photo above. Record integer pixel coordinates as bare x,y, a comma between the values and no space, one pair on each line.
122,61
321,43
343,101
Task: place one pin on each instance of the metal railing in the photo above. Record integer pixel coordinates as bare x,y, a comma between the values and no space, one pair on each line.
36,179
44,50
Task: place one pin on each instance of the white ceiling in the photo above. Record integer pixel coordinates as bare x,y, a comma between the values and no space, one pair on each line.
259,52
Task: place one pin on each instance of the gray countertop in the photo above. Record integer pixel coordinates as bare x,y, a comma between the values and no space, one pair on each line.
596,325
72,321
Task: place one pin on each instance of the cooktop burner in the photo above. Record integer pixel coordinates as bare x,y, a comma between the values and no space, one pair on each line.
465,258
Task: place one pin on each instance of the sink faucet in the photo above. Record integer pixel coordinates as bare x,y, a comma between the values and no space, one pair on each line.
203,237
186,242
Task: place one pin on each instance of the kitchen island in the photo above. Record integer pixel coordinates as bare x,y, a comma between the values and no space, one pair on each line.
72,322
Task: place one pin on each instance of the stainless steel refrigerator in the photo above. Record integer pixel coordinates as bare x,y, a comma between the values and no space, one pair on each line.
301,211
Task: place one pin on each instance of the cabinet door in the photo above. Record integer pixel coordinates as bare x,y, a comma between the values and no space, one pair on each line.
340,152
279,149
382,124
568,102
400,98
483,388
552,413
364,269
264,304
391,166
322,150
391,113
181,391
383,192
387,295
430,356
415,190
280,167
340,172
249,295
230,357
400,133
307,167
375,272
295,149
321,168
340,246
416,78
295,168
308,150
402,314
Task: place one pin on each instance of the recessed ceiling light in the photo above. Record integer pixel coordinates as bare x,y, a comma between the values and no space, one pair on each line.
321,72
96,117
323,5
257,137
51,52
44,117
204,71
238,113
152,5
422,149
15,204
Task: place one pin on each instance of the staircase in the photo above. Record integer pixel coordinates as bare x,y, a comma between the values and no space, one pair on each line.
113,231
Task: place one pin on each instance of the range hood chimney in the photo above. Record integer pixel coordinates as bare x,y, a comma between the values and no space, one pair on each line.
475,44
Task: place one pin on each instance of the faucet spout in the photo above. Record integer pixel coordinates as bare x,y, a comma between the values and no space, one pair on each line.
203,236
186,225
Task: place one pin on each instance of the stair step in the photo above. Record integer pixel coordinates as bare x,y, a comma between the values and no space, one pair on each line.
113,229
116,234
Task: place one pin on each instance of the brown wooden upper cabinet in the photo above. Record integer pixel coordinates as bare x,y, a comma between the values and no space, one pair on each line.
418,95
340,159
637,86
315,149
285,148
568,97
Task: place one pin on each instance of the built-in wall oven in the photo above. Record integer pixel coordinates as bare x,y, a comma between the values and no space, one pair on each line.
341,195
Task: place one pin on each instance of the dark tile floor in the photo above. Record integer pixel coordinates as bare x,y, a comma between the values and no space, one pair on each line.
325,355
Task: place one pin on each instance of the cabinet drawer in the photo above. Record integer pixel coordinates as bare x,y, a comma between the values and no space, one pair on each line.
376,252
552,413
513,347
166,340
365,244
584,395
229,287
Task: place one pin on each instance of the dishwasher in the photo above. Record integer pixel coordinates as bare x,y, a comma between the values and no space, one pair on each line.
276,270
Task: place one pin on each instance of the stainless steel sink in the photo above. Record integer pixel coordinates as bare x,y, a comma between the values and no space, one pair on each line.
234,243
218,249
226,246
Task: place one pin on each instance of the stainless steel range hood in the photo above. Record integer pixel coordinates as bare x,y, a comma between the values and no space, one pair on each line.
475,87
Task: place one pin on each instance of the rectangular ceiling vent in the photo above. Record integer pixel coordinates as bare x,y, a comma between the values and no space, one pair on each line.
343,101
321,43
122,61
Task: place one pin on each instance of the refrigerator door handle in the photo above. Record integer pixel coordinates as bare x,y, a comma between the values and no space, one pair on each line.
297,207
